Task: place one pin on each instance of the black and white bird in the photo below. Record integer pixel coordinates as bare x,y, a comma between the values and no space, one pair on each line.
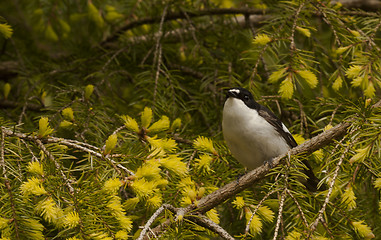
255,135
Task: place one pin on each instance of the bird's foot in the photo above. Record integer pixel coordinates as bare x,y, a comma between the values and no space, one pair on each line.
269,162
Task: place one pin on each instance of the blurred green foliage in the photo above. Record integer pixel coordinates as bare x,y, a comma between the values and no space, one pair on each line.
131,85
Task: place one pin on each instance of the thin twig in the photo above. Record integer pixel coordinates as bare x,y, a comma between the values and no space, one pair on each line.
256,209
152,219
280,211
332,183
209,224
58,166
34,158
292,37
299,207
2,158
158,51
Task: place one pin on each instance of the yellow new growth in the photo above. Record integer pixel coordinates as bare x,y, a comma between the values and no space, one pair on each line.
238,202
154,202
299,138
149,170
204,144
35,168
88,91
213,215
286,89
115,206
4,223
131,203
130,123
94,14
49,210
358,81
370,90
44,128
6,90
146,117
203,163
125,222
363,230
294,235
111,143
6,30
71,220
161,125
349,198
168,145
175,165
377,183
176,124
341,50
275,76
50,33
32,186
68,114
112,185
121,235
35,229
261,39
360,156
143,188
256,223
337,84
65,124
309,77
353,71
306,32
266,213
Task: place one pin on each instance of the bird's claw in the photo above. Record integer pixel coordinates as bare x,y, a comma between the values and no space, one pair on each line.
269,162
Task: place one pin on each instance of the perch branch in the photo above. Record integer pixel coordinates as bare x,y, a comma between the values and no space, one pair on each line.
232,188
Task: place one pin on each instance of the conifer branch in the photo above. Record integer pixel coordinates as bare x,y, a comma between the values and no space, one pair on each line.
158,52
313,226
7,184
153,218
181,15
209,224
28,106
256,209
74,144
299,207
58,166
280,211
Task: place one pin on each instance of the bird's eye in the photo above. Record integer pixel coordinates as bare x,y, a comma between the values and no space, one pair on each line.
246,97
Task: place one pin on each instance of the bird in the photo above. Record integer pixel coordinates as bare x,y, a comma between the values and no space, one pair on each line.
255,135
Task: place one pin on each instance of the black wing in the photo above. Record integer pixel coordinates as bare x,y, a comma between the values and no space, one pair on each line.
277,124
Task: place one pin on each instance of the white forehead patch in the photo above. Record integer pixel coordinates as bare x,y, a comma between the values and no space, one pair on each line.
234,90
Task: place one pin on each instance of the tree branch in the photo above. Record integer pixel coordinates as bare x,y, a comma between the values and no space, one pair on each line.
231,189
180,15
29,106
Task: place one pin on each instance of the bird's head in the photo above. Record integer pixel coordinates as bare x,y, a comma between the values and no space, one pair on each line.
242,94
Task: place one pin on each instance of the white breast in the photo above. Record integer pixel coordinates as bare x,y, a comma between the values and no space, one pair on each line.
250,138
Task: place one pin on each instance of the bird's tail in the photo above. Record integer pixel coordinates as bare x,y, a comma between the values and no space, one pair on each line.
312,182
